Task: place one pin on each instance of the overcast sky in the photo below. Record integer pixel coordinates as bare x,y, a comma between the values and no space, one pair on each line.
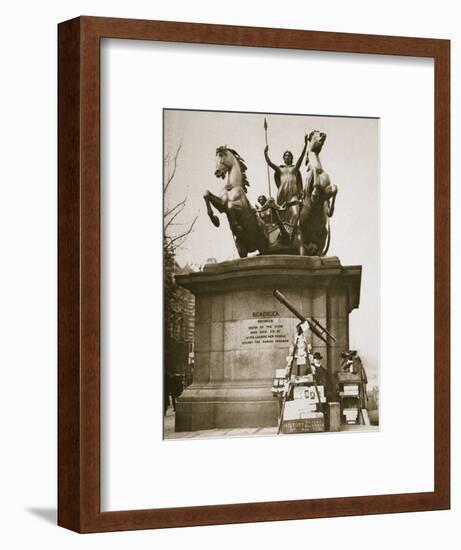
351,158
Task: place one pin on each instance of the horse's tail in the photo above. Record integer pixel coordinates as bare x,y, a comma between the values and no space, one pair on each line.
327,243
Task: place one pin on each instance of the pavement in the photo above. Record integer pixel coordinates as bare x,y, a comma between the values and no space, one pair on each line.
169,432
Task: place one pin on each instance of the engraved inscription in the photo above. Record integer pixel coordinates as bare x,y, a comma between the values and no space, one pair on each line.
267,329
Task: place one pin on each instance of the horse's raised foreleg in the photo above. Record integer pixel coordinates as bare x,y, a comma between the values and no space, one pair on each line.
211,199
334,192
317,187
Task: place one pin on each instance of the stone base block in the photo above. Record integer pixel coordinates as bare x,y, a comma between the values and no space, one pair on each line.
202,407
243,333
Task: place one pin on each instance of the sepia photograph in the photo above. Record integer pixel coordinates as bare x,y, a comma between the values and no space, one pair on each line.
271,261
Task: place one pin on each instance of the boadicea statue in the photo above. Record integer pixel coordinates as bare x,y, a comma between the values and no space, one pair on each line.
296,222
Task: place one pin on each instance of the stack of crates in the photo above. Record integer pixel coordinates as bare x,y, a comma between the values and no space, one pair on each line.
349,394
301,413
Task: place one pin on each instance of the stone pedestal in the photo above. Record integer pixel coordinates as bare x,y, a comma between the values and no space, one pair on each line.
242,333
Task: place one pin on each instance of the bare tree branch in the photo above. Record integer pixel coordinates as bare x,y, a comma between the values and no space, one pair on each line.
171,210
170,221
178,244
175,164
174,242
171,240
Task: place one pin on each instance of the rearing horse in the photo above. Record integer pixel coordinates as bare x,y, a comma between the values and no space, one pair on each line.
245,225
318,202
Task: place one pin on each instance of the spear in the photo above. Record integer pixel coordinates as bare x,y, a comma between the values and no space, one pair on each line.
268,173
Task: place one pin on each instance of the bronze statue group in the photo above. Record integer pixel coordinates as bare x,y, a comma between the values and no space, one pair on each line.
296,221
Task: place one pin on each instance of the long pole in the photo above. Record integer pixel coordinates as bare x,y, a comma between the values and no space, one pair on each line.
319,330
268,173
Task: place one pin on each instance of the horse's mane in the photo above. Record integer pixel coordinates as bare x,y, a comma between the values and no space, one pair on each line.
243,166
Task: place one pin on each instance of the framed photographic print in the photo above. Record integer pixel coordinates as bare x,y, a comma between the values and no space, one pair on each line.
253,273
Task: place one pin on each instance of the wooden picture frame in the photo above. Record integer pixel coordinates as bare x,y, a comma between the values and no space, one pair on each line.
79,274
